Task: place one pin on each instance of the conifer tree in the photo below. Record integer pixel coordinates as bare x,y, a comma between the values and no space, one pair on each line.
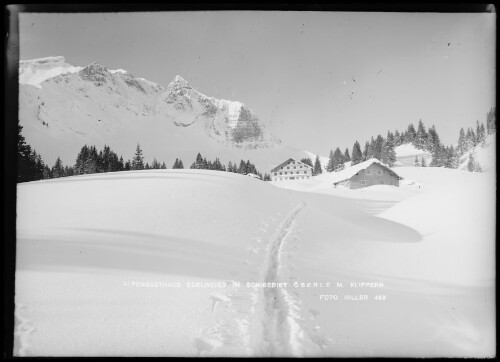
378,145
357,156
68,171
423,163
138,160
366,151
347,157
29,164
491,121
243,168
416,163
338,160
58,169
461,146
410,133
307,161
469,139
317,167
482,131
435,148
46,172
397,138
452,159
330,165
163,165
371,149
388,155
180,164
155,165
420,137
473,165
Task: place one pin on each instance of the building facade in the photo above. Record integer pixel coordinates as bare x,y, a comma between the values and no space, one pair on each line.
373,174
291,169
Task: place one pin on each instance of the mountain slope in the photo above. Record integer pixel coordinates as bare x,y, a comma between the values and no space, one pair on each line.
62,107
483,154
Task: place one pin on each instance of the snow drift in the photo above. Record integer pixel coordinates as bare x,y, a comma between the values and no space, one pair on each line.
148,264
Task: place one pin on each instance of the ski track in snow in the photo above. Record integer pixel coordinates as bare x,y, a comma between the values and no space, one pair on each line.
281,331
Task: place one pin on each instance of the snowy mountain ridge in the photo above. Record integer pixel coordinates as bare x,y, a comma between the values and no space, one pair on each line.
63,107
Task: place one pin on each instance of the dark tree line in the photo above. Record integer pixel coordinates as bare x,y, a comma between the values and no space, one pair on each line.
244,168
29,163
30,166
90,160
421,138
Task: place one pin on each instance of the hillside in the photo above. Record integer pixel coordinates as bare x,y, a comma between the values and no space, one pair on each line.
118,264
484,154
63,107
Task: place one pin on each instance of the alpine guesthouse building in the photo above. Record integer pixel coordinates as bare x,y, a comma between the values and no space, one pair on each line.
291,169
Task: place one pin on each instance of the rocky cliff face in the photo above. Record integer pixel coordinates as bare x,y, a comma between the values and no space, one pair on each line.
62,103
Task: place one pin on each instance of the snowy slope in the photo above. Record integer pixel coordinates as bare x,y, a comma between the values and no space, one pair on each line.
62,108
485,155
405,155
36,71
85,242
322,159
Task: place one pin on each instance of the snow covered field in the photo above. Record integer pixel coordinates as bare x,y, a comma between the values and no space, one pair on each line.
148,263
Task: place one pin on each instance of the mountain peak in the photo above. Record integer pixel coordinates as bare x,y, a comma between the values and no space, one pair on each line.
94,72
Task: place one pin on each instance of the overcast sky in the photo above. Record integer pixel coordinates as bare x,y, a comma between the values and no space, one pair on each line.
319,79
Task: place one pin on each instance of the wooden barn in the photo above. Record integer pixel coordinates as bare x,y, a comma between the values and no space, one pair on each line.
291,169
367,173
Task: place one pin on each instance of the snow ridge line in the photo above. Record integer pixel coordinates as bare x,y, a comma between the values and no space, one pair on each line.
279,327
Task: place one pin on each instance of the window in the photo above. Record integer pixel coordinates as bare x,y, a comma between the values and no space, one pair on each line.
294,166
363,182
288,168
368,172
379,172
297,172
275,174
305,171
281,173
292,178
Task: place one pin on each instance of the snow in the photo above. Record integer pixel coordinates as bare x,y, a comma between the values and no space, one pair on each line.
484,154
93,250
62,115
122,71
34,77
350,171
178,78
322,159
233,110
408,149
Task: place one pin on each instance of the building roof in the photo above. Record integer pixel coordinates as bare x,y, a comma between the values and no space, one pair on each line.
287,161
347,173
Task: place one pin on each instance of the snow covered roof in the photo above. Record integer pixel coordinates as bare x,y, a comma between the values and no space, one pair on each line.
348,172
287,161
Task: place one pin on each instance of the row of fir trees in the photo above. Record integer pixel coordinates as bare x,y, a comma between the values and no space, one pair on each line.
90,160
421,138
